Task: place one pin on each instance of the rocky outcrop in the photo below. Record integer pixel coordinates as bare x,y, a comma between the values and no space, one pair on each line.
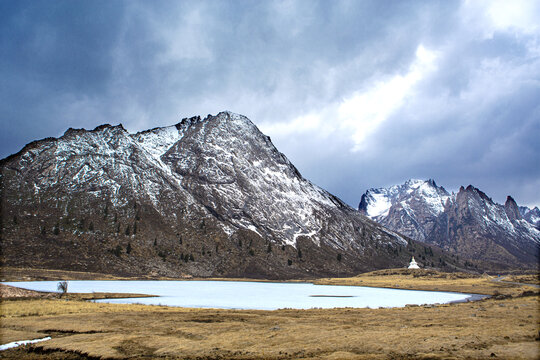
512,210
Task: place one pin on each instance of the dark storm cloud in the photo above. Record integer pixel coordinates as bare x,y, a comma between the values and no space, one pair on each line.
52,53
65,44
358,94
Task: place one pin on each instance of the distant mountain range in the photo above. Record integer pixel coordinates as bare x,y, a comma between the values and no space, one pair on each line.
205,197
468,223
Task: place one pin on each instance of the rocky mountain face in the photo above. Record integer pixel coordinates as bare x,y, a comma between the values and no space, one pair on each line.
468,224
205,197
532,216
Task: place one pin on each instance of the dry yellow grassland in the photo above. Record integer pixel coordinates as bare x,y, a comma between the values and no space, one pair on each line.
506,328
434,281
529,279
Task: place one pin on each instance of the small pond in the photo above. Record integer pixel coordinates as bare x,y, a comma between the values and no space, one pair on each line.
252,295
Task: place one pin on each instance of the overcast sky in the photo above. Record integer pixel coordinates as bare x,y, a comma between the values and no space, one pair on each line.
358,94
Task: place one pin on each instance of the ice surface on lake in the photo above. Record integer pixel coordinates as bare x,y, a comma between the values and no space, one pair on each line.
250,295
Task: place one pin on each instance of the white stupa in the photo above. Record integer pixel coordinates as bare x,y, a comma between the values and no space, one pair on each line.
413,264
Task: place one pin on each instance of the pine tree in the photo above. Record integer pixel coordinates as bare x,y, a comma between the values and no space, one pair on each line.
118,250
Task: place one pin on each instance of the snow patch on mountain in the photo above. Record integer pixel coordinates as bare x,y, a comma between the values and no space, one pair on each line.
379,205
157,141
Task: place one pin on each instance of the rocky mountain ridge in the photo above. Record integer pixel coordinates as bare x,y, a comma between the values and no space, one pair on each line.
204,197
467,223
532,216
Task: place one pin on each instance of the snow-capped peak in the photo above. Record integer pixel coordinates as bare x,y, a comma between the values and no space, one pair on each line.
378,202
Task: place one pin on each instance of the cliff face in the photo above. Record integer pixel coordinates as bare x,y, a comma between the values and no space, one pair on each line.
205,197
468,224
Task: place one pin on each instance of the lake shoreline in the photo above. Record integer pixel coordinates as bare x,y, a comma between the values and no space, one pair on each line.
13,293
399,279
246,295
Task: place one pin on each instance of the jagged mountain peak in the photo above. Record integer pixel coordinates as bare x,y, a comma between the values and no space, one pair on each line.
531,215
510,200
378,202
463,223
97,129
227,154
512,209
474,192
159,140
416,183
525,209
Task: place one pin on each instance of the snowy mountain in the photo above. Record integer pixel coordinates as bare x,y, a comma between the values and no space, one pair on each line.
468,224
532,216
205,197
413,205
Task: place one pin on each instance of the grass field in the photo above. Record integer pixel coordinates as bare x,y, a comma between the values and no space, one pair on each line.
436,281
506,326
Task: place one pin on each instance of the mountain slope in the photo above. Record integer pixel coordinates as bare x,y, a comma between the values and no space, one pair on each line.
468,224
205,197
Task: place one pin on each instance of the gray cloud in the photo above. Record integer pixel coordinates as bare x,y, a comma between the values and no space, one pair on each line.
356,94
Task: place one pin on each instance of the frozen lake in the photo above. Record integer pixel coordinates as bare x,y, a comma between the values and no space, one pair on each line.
251,295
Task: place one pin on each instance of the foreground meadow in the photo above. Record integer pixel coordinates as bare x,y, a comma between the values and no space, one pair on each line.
505,326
